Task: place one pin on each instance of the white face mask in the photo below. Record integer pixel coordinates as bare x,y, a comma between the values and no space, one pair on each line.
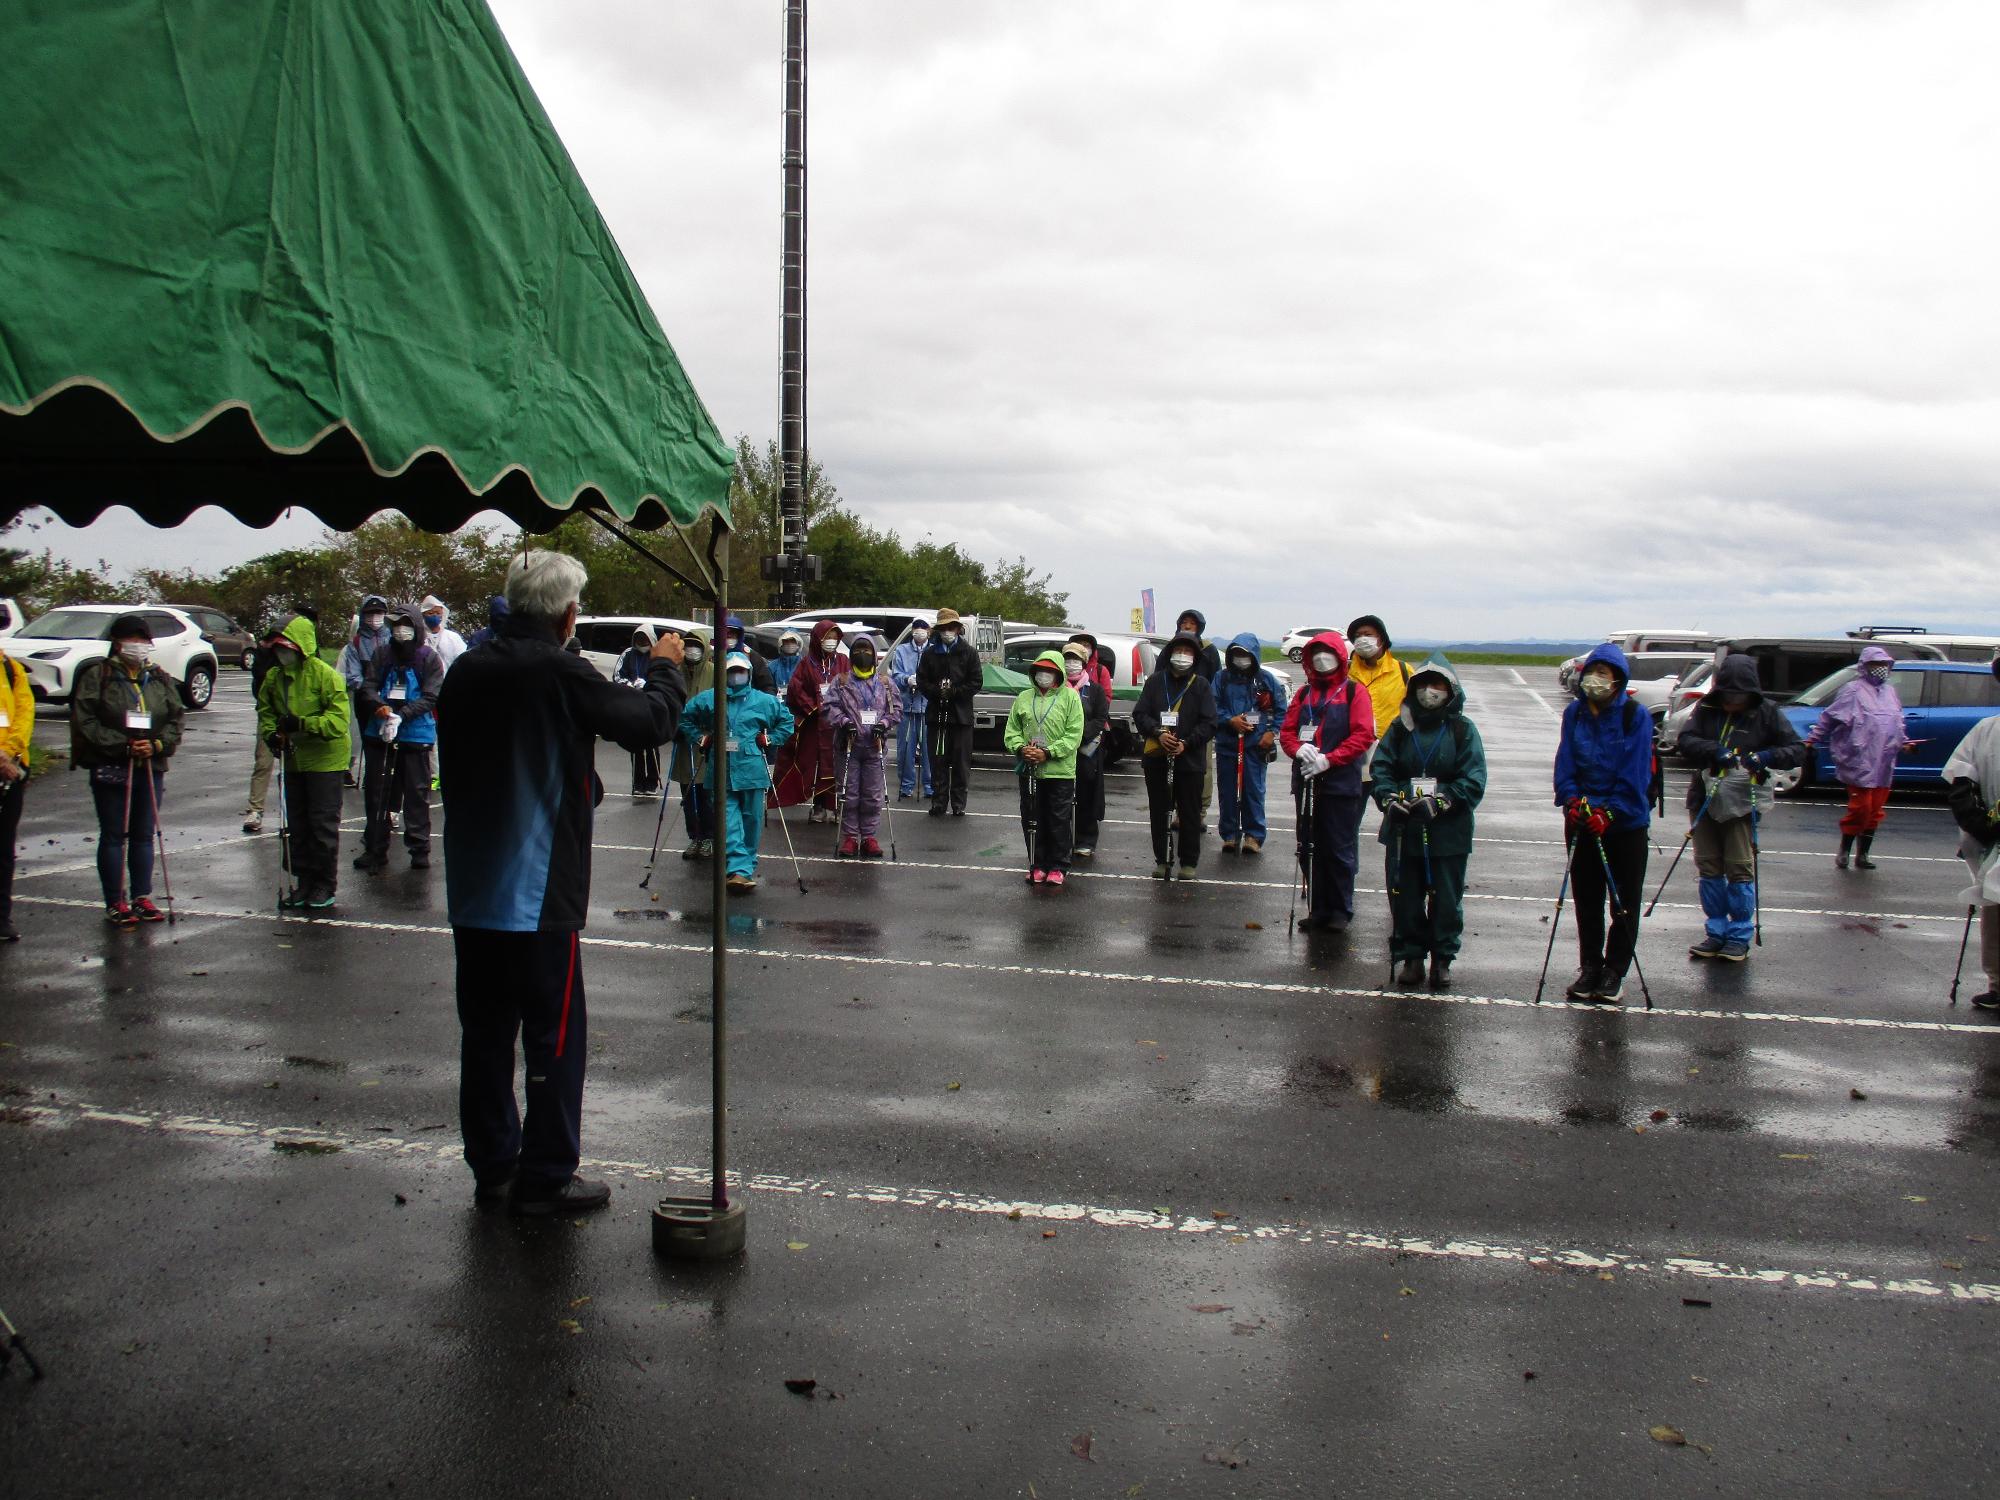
829,646
1045,680
949,634
1241,664
373,622
1367,647
1180,661
789,648
738,677
1433,697
1324,662
1597,688
404,633
136,652
920,635
1073,670
692,654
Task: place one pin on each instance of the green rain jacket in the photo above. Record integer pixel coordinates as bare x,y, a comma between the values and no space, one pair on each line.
314,694
1055,718
1445,745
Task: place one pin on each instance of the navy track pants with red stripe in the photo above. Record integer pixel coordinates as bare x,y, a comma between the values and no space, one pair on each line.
525,988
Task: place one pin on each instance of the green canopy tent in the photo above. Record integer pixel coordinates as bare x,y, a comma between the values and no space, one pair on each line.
329,254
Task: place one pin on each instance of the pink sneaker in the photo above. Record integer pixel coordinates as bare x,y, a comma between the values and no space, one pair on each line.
1036,877
1056,878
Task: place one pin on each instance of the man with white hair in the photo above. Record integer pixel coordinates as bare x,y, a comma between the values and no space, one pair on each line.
517,732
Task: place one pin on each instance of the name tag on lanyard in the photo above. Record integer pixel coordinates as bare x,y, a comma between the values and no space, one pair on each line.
137,721
397,692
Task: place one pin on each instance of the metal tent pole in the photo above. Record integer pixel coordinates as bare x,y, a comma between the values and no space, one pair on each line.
792,367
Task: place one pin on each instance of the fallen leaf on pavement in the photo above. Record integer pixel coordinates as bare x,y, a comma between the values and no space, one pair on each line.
795,1244
579,1302
1048,1234
1952,1265
1254,926
1080,1446
1794,1156
802,1387
1856,1094
1658,1115
1666,1434
1696,1302
1014,1213
1221,1216
1915,1198
1228,1457
570,1325
1406,1291
1210,1307
953,1087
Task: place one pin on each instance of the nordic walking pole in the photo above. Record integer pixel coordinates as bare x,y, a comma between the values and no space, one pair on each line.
15,1345
798,871
1302,837
660,826
125,832
1964,938
840,792
1618,915
160,837
284,834
1562,893
1173,814
1714,782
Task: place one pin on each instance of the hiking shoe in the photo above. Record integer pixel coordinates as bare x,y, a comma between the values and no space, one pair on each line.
708,848
1055,879
1083,851
493,1187
870,849
8,933
1734,952
1440,972
1160,872
1187,872
1588,978
1708,947
937,810
119,914
577,1196
292,900
1036,877
1990,1000
1229,846
371,861
1253,846
254,823
420,859
1611,988
739,884
693,851
849,848
1410,974
145,911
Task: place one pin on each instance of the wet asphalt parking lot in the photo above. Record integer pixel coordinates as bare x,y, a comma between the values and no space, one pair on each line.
1118,1191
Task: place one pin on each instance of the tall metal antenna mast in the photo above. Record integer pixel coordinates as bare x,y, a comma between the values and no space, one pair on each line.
790,569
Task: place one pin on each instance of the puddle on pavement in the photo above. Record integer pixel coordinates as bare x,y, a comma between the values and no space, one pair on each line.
1329,1082
838,934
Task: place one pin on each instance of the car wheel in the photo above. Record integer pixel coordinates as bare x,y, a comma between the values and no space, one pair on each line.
1296,654
199,687
249,661
1789,783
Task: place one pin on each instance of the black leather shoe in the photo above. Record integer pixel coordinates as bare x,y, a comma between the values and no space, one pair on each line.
577,1196
1440,972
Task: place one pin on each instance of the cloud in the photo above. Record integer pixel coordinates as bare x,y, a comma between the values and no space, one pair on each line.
1491,319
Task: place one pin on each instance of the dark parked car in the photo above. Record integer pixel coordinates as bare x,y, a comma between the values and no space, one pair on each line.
1786,667
231,641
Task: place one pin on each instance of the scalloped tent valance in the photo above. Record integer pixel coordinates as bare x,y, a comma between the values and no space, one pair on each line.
318,253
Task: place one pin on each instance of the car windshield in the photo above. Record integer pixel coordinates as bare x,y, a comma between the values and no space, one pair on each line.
1909,687
1647,668
71,625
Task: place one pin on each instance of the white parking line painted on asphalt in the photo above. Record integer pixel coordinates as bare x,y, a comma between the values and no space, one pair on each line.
1184,1229
1083,876
1107,976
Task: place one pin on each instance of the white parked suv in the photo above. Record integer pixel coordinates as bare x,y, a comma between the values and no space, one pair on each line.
1294,643
605,638
54,646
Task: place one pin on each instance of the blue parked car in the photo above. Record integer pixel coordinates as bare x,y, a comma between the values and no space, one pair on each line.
1942,700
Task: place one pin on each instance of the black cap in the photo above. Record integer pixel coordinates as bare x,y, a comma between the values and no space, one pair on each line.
129,628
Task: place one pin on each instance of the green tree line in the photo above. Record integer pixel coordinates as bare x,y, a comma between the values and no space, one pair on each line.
863,564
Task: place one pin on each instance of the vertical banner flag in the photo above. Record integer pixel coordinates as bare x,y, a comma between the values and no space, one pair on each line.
1146,603
1138,621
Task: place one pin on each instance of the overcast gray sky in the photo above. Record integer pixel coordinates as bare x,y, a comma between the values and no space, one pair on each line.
1495,317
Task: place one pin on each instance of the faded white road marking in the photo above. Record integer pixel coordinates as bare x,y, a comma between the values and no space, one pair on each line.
1553,1007
1187,1229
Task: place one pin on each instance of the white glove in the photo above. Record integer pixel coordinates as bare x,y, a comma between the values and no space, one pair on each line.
1312,762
